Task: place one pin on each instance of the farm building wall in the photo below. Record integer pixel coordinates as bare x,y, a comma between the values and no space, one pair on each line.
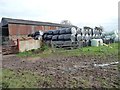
21,31
15,29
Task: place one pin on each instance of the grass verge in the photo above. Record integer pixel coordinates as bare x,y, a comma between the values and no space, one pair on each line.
102,50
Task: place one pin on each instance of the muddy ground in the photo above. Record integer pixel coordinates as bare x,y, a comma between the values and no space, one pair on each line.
77,71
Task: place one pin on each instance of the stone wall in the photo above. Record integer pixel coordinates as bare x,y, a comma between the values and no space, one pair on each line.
29,44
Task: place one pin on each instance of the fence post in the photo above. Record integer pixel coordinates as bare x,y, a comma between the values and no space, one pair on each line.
18,44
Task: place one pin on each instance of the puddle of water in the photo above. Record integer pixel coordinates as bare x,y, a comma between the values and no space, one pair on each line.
107,64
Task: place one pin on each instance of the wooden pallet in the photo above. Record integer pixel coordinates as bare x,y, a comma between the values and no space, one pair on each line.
9,50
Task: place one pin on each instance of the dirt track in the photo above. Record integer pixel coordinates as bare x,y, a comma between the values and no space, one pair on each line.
68,70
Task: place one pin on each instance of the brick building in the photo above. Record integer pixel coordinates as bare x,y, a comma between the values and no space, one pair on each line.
18,28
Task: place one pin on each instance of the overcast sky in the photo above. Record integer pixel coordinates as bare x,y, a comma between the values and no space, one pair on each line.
79,12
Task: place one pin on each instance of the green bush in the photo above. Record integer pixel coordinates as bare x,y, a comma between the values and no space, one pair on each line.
44,47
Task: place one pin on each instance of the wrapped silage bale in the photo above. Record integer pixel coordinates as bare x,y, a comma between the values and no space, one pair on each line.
89,31
63,31
93,36
85,31
79,37
73,37
38,37
50,32
79,30
83,36
95,32
61,38
55,38
44,36
71,30
69,37
90,36
56,32
41,33
82,31
49,37
86,37
92,31
98,32
38,33
99,36
96,36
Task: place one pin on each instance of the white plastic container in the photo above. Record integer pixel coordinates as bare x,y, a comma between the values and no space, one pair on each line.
96,42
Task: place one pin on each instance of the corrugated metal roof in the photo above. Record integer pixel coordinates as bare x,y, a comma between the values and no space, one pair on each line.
6,21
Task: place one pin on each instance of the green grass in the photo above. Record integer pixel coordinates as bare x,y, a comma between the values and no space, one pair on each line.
27,79
24,79
18,80
102,50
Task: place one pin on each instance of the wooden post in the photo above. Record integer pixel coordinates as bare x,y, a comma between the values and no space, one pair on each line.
18,44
